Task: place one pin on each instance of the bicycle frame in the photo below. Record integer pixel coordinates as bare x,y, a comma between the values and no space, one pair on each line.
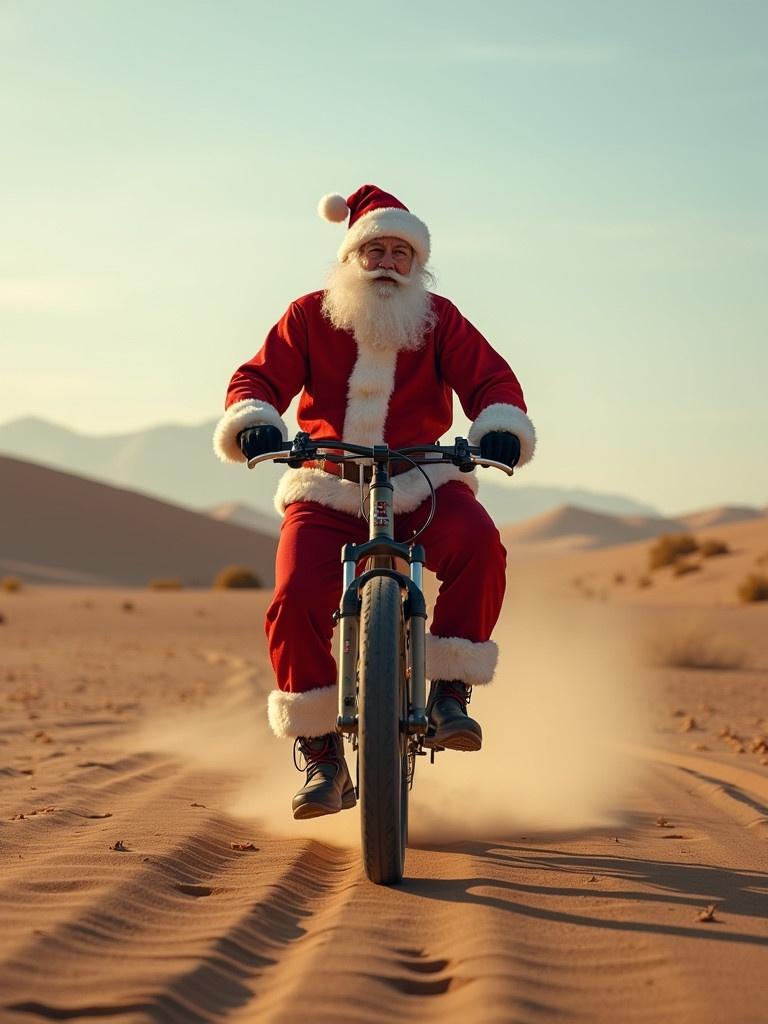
382,644
381,550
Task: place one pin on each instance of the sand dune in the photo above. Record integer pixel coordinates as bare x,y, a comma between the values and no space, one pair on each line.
571,528
152,873
621,573
720,515
60,528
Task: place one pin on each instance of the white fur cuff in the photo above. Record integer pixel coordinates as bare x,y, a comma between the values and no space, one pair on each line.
250,412
309,714
501,416
452,657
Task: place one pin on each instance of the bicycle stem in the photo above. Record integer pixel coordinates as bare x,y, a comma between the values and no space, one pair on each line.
382,517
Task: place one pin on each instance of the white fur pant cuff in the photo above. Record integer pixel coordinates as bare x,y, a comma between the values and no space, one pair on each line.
308,714
452,657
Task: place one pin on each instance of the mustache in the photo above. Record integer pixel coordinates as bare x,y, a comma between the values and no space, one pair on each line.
385,275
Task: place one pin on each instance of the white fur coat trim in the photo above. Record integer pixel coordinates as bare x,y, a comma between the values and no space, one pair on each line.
250,412
312,713
369,390
388,221
452,657
410,488
501,416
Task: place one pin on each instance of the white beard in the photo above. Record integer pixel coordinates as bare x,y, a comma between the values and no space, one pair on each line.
382,309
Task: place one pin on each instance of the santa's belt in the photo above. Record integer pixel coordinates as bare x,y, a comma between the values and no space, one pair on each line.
351,470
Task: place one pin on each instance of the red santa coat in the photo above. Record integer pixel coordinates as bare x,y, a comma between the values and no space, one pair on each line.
371,396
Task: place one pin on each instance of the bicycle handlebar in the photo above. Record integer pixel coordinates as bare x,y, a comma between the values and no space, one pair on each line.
305,449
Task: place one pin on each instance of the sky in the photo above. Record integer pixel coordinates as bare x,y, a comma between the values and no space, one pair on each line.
592,174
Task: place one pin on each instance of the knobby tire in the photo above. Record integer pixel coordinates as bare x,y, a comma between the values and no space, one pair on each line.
383,763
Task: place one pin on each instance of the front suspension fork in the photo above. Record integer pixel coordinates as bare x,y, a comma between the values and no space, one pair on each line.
349,622
348,649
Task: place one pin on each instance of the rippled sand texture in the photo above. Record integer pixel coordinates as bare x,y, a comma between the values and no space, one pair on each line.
602,859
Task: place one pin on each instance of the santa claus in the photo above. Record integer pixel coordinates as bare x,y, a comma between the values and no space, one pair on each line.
376,357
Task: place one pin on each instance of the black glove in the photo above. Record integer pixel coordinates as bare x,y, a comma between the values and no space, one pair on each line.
258,440
501,447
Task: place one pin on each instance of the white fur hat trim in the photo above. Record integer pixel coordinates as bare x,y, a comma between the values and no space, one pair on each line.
390,222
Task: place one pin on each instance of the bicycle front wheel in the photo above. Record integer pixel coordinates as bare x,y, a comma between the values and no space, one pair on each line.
382,735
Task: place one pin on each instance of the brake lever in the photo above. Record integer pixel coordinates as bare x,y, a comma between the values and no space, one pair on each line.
302,449
493,464
462,456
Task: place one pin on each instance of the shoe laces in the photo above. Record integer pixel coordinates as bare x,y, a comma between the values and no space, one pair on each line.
314,756
455,690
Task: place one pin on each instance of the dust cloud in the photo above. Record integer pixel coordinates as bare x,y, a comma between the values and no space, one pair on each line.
558,720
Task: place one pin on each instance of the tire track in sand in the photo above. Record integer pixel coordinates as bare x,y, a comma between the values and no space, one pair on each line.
200,904
183,928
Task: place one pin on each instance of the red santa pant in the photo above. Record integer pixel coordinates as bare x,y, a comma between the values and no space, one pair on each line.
463,549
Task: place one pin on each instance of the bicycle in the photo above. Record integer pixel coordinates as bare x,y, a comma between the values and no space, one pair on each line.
382,632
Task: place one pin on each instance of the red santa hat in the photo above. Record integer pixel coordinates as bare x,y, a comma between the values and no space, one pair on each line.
372,214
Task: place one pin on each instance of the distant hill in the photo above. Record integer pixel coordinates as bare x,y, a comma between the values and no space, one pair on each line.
569,528
613,573
723,515
245,515
59,528
176,463
171,461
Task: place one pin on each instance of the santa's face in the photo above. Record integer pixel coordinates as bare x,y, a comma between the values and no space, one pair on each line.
386,254
379,293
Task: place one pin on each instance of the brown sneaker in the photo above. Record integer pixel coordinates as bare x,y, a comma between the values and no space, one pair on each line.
328,788
449,724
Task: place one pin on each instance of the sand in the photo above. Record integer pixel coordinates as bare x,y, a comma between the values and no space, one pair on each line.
603,858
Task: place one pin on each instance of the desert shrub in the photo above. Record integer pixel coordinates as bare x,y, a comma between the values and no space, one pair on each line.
762,559
753,588
643,582
669,547
236,577
618,578
11,584
166,583
682,643
683,568
712,548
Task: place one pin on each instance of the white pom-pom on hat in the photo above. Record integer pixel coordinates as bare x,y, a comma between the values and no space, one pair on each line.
333,207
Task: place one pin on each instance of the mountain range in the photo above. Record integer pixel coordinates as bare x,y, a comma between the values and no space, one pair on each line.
176,463
58,527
